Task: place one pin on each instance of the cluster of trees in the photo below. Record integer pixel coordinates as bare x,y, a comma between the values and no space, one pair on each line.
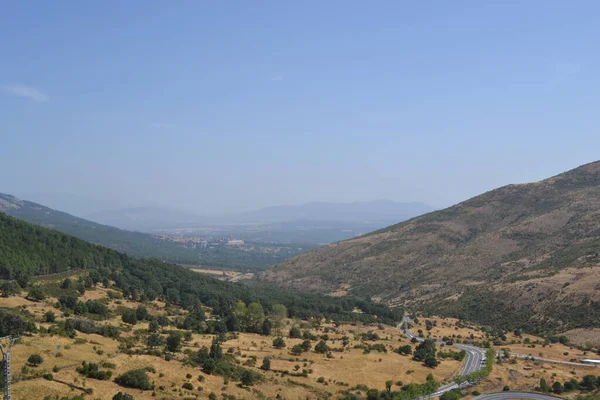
92,370
122,396
12,324
589,383
406,392
251,318
70,325
451,395
79,307
562,339
370,335
208,359
135,379
278,343
303,347
405,350
367,348
430,324
213,361
9,288
134,316
426,352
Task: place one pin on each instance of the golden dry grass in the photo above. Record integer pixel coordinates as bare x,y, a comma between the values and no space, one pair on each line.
447,327
348,368
38,309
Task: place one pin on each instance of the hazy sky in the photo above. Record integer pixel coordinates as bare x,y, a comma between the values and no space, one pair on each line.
233,105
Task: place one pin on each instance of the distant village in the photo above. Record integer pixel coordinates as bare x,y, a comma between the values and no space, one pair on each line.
203,242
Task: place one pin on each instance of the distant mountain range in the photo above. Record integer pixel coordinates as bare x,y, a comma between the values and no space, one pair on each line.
146,219
520,255
367,211
156,218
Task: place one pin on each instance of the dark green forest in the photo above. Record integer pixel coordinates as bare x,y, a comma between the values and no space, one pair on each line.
28,250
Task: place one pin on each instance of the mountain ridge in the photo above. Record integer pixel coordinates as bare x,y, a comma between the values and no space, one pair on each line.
354,211
156,218
511,241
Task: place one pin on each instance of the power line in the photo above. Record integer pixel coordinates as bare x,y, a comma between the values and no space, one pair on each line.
6,357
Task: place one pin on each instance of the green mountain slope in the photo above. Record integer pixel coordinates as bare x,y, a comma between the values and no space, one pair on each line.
525,255
29,250
133,243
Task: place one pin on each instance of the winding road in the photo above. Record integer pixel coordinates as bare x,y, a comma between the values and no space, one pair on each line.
473,360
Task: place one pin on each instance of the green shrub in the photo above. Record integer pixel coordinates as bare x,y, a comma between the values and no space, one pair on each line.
249,378
451,395
49,317
136,379
91,370
278,343
321,347
122,396
36,293
34,360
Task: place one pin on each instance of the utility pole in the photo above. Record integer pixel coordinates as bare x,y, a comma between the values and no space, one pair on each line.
6,358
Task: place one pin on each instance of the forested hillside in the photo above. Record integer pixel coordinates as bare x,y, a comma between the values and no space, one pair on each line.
136,244
27,250
524,255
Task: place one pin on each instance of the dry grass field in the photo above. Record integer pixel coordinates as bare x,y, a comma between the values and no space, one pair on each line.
327,377
344,370
525,375
443,327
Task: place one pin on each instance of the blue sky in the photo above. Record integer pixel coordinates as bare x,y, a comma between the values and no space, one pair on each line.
226,106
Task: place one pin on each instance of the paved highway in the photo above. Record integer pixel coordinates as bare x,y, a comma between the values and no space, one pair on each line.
514,395
473,360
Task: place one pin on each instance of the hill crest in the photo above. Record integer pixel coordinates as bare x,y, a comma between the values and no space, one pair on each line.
526,245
